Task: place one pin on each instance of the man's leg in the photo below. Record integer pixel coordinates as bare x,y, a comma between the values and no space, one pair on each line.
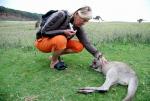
58,45
73,46
56,54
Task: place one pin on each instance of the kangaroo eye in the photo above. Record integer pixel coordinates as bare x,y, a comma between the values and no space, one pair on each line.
94,62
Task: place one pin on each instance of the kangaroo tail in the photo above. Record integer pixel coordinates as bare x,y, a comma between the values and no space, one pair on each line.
132,87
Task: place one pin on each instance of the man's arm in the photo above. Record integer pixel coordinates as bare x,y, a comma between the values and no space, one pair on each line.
82,36
52,24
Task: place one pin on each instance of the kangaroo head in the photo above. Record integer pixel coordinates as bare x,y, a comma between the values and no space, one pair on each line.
97,64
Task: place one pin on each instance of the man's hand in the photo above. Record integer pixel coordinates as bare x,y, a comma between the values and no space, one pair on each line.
69,32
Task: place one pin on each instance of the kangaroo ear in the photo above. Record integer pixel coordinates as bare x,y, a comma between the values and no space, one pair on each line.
98,55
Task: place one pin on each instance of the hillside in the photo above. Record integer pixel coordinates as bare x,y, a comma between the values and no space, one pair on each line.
17,15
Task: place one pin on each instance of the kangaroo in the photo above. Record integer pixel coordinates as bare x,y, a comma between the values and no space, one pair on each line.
116,73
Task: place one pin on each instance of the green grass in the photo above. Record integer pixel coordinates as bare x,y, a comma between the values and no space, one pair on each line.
25,72
109,32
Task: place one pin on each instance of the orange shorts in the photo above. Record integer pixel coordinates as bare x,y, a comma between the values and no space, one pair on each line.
57,43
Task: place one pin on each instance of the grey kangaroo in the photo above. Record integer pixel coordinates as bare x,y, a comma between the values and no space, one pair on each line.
116,73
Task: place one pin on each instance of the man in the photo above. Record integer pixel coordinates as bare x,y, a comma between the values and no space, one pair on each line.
56,35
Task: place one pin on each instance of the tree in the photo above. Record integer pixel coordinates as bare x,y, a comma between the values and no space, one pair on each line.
17,13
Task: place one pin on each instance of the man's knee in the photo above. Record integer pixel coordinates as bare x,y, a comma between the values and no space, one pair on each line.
78,48
60,42
75,45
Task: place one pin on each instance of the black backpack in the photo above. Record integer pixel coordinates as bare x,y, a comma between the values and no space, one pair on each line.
45,16
44,19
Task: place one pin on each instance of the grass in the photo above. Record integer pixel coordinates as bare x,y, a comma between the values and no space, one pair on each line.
25,72
109,32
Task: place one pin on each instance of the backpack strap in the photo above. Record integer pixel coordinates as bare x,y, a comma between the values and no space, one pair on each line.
64,19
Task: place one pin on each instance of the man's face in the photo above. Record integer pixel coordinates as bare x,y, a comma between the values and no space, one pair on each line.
78,21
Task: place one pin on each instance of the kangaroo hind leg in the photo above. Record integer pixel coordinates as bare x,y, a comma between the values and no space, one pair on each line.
111,79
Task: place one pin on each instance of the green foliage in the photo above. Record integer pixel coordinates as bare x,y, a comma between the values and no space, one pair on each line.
25,72
18,13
